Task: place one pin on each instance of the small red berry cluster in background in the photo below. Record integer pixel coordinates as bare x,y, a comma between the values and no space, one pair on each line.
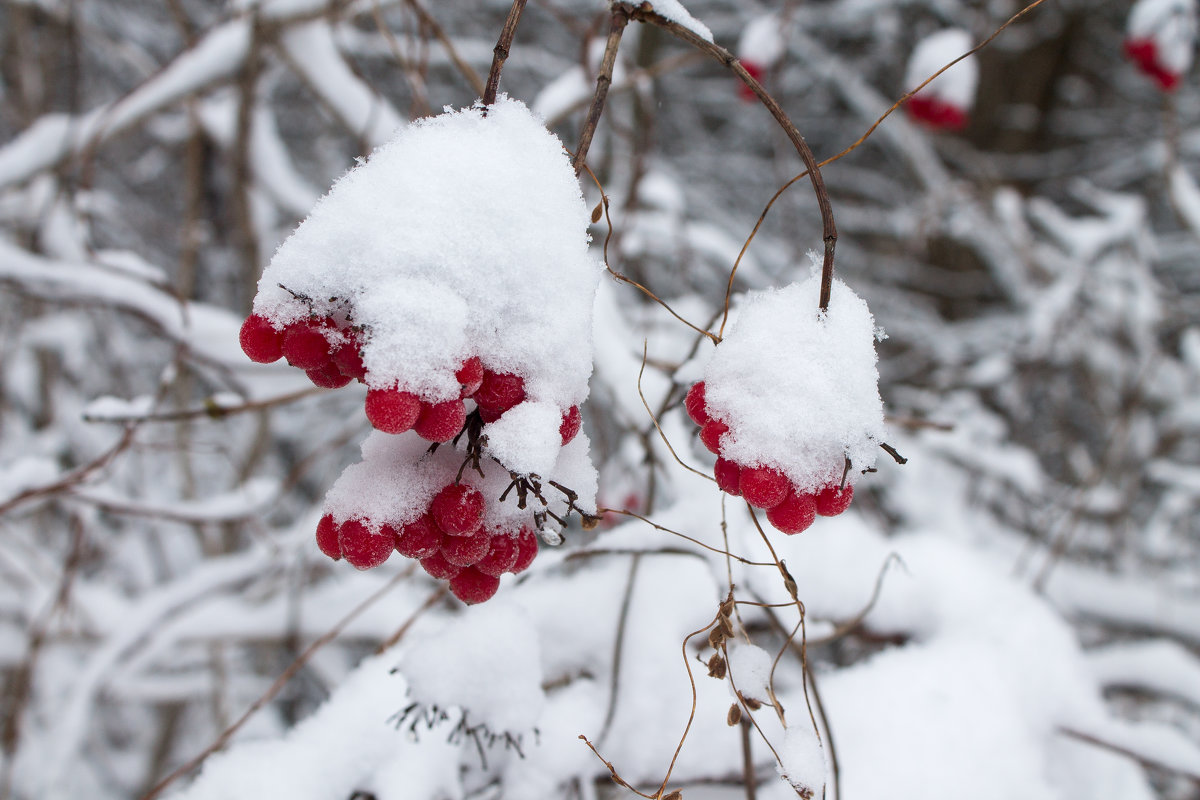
789,509
936,113
1144,53
449,539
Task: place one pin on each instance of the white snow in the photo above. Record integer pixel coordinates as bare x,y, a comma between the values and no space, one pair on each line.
957,84
750,669
675,11
799,388
762,41
802,759
1171,25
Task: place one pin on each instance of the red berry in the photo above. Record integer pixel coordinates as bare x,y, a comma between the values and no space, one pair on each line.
362,548
440,422
527,550
936,113
348,357
391,410
500,391
466,550
472,586
327,376
438,567
694,404
470,376
327,537
487,415
572,421
458,509
763,487
710,434
502,556
757,71
794,514
728,475
305,345
832,501
419,538
260,341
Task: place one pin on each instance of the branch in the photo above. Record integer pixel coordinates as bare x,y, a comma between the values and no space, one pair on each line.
500,53
620,18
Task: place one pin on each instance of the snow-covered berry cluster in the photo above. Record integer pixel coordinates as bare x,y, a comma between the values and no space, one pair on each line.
945,103
790,403
1160,39
468,318
789,508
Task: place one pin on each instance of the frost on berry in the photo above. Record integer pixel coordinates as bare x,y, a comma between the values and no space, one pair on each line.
361,547
694,404
472,586
328,376
464,551
305,344
832,501
795,514
440,422
260,340
502,555
728,475
349,358
527,550
419,538
327,537
391,410
711,434
947,100
500,391
763,487
470,376
458,509
438,567
572,421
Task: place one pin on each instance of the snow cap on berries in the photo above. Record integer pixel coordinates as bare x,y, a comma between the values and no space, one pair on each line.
761,42
1164,32
956,86
426,249
798,388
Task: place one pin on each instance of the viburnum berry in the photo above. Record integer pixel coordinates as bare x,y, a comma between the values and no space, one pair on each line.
832,500
572,421
466,550
327,537
527,550
438,567
260,341
711,433
327,376
795,514
937,113
694,404
440,422
305,345
763,487
472,586
758,72
728,475
470,376
348,357
419,538
361,547
500,391
502,556
458,509
391,410
488,415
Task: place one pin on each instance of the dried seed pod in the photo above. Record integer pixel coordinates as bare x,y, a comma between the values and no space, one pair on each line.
675,795
726,626
716,667
734,716
716,638
727,607
752,704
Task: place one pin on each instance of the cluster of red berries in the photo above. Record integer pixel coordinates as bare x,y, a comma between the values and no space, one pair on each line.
449,539
936,113
1144,53
788,509
331,356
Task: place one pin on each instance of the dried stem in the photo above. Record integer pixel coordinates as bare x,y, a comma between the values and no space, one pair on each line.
500,52
603,81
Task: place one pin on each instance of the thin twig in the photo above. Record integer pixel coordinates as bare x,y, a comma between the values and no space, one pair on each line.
210,409
696,542
603,81
619,647
500,52
655,420
465,69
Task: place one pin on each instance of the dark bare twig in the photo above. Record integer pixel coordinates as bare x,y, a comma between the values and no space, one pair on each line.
500,52
210,409
619,647
603,81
